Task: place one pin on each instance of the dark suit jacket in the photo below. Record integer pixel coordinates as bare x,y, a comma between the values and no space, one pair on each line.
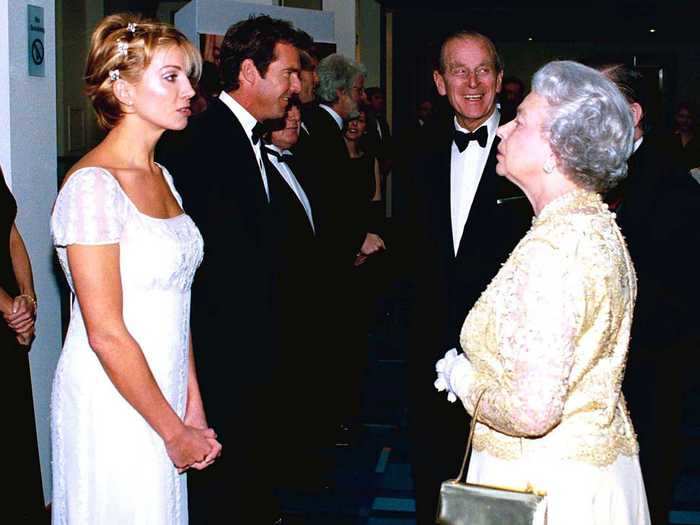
340,198
234,312
658,217
443,288
295,253
379,146
446,286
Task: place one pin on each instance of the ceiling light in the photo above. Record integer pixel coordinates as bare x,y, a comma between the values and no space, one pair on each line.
652,30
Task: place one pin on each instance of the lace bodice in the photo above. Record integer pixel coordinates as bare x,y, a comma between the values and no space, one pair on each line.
548,339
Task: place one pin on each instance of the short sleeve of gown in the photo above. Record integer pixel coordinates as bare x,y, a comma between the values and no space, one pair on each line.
90,209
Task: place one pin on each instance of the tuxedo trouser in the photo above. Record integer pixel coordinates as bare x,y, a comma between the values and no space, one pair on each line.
438,434
653,389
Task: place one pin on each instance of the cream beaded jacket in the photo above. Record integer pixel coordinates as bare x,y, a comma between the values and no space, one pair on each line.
548,340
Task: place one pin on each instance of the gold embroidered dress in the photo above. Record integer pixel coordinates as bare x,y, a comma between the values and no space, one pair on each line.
548,341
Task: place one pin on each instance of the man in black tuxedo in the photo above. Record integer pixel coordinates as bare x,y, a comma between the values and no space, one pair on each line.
297,259
656,208
341,209
219,166
464,221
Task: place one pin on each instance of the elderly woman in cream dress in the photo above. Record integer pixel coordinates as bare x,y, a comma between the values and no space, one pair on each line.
547,340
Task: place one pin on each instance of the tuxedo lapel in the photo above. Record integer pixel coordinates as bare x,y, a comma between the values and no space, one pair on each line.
638,190
442,200
484,200
244,169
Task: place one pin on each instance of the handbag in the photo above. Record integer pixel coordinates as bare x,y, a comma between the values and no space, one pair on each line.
462,503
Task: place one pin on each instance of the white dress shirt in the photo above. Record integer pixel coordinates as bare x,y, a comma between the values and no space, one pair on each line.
637,143
338,119
466,169
288,175
248,122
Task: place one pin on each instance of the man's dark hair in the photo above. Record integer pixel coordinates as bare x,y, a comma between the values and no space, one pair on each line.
469,34
304,40
308,53
628,80
255,39
209,82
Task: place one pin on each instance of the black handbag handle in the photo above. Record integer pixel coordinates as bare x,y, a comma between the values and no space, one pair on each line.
475,418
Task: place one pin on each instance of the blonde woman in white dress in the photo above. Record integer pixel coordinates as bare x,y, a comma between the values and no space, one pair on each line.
127,416
547,340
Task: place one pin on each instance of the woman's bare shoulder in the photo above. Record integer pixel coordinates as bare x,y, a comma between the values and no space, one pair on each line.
95,158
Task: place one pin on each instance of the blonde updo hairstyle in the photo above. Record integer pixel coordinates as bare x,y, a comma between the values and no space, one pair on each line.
141,38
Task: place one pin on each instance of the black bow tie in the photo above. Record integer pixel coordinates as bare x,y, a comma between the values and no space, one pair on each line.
281,157
462,139
258,131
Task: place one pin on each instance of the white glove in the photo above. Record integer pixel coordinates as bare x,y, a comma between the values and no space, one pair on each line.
454,373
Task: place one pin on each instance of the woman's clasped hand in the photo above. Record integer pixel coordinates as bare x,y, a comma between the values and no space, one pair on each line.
21,318
192,447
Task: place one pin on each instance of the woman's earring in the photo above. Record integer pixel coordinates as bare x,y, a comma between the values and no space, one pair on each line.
548,167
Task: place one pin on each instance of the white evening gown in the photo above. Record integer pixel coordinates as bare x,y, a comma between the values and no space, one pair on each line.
109,465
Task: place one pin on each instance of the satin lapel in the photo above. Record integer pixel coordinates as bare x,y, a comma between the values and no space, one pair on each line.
442,202
484,199
244,164
639,190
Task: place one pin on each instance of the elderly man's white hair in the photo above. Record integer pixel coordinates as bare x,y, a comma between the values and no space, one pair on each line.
336,72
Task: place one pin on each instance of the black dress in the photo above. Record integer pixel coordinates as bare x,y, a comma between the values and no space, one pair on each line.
363,167
25,500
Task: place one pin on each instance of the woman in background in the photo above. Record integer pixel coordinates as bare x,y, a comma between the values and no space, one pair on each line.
18,306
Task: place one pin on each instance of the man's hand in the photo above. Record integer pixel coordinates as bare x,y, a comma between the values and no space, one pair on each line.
372,244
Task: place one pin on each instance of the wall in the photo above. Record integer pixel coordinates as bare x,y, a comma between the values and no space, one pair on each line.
77,127
28,155
215,16
345,23
369,39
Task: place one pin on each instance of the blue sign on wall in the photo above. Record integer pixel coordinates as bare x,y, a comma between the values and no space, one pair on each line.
35,30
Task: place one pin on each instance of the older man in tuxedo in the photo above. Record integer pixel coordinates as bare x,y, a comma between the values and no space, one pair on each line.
341,209
464,221
303,464
222,172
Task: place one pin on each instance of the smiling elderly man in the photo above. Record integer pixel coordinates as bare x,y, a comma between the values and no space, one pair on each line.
465,220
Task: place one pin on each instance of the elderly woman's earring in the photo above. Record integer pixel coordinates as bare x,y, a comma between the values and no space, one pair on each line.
548,166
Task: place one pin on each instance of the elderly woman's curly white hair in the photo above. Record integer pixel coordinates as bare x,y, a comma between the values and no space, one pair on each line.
589,126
